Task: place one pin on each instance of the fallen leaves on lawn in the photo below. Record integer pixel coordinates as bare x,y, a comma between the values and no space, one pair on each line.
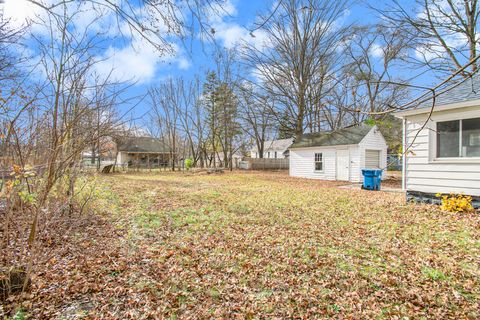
258,245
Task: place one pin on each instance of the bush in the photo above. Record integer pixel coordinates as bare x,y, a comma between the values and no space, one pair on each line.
188,163
456,203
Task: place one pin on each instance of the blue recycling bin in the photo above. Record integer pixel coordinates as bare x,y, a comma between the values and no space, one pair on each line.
372,179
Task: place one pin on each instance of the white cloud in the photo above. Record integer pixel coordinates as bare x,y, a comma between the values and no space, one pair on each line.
137,61
376,50
22,13
184,63
230,34
128,58
434,49
218,11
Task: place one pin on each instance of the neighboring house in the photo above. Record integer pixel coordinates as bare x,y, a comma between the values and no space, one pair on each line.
273,149
105,154
338,155
443,147
142,152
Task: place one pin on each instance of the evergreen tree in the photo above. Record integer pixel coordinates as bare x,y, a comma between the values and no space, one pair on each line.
228,105
210,95
285,130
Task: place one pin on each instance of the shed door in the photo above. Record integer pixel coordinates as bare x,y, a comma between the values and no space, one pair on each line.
372,159
343,165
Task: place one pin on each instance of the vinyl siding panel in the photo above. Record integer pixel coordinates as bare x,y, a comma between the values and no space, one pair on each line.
302,163
434,189
425,174
472,176
421,139
446,167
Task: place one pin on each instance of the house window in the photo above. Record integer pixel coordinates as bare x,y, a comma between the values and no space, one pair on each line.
275,154
458,138
318,162
268,156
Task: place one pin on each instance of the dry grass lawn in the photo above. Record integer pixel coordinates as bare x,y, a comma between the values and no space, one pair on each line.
262,245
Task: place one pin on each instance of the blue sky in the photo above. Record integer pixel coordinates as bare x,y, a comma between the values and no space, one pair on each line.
135,61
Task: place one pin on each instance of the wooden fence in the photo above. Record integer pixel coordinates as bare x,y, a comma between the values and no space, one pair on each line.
264,164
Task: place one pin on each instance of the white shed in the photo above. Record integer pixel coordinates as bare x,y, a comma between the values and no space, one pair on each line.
338,155
443,146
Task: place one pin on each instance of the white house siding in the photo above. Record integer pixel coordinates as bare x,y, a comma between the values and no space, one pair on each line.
425,174
374,140
254,154
302,163
122,157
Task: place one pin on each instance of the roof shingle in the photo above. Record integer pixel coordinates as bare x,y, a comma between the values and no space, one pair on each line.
468,90
346,136
141,144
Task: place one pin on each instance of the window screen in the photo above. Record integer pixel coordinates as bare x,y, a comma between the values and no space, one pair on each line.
448,139
318,162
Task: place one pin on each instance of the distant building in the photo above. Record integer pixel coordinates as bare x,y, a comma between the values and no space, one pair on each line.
338,155
142,152
273,149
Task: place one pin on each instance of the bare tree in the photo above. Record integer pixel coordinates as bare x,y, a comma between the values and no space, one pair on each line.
444,34
152,20
211,106
256,114
166,102
51,127
190,117
373,55
302,35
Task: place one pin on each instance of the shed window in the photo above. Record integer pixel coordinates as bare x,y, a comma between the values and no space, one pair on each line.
458,138
318,162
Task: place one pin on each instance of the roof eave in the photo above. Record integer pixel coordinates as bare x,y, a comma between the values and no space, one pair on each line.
445,107
327,146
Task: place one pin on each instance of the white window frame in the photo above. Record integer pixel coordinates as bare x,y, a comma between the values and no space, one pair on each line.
433,143
315,161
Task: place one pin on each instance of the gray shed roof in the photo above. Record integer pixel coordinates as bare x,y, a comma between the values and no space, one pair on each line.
346,136
141,145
